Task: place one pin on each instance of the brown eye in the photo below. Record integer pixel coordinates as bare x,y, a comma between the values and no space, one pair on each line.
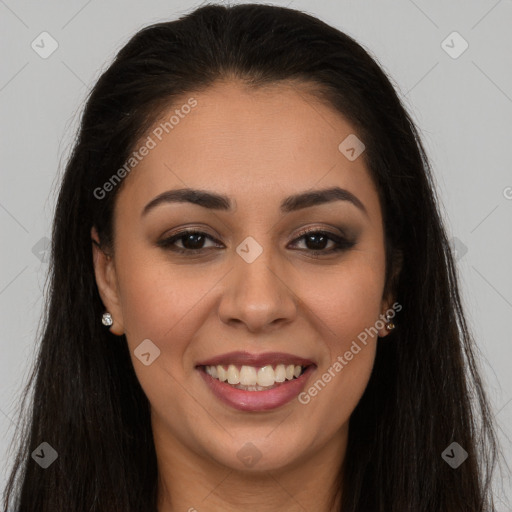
317,241
190,240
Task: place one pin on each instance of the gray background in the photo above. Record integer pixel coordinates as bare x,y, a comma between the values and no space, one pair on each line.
463,107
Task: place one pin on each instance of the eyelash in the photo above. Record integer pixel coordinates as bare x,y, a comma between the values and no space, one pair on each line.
342,243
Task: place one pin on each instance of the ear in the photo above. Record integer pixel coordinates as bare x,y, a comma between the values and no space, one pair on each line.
388,301
106,280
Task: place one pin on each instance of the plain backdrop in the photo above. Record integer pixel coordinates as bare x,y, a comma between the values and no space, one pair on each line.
460,98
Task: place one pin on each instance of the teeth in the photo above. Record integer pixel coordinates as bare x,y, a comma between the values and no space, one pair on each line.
280,373
222,374
251,378
248,376
233,375
266,376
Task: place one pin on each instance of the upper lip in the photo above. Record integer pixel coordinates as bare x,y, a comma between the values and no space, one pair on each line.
258,360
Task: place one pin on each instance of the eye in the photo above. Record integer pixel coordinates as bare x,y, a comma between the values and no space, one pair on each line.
191,241
316,241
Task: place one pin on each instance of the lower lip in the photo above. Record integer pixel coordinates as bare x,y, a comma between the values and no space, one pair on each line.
257,400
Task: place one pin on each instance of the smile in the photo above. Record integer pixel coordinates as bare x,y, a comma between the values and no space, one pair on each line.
251,382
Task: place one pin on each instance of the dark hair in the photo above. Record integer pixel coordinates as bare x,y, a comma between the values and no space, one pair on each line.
424,392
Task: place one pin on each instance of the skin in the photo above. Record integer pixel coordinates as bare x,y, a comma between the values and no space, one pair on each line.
200,306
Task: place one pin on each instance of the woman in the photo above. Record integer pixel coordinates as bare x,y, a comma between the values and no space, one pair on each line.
253,302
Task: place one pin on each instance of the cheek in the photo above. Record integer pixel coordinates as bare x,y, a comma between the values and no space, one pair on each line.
348,299
167,304
346,304
159,304
162,302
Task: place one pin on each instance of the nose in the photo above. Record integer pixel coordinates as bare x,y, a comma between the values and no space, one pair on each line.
257,296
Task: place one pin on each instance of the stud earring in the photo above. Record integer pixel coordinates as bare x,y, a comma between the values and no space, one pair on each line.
389,325
106,319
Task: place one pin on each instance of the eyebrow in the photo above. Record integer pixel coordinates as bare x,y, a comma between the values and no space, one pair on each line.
214,201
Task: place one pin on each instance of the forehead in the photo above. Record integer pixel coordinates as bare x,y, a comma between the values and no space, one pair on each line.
250,144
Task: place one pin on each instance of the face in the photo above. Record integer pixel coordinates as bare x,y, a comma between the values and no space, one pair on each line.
248,295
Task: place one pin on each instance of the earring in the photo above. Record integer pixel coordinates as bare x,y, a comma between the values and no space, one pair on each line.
389,325
106,319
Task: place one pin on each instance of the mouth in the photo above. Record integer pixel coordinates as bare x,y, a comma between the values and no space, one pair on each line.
256,382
